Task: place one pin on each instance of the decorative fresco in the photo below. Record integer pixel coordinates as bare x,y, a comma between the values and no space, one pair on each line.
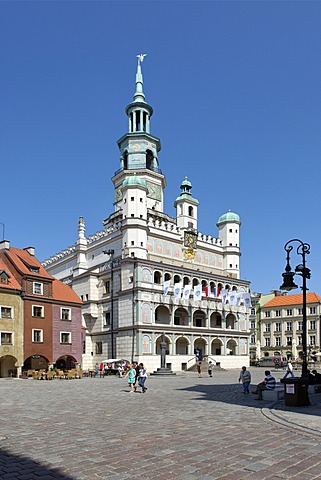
146,313
146,344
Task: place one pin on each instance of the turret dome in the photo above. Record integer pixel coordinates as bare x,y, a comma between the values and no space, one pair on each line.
229,217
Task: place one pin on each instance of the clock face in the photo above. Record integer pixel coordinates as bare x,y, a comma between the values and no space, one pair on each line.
136,147
154,191
190,239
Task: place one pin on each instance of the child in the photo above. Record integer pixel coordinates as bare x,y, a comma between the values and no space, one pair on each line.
131,374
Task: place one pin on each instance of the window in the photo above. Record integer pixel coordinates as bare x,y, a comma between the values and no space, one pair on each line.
278,313
312,339
288,326
300,325
6,338
300,310
289,341
107,319
132,199
268,327
65,314
6,312
278,327
37,288
37,311
106,287
65,337
84,346
312,310
300,340
277,341
252,324
252,339
99,348
267,314
312,325
37,336
268,342
252,311
289,312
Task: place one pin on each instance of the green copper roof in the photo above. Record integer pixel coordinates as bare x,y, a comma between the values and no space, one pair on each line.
186,193
229,217
135,181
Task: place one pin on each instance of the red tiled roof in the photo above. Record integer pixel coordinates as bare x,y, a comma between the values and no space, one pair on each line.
297,299
23,261
62,292
12,282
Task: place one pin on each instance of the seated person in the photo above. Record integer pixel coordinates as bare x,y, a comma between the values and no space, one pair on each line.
311,378
267,384
317,377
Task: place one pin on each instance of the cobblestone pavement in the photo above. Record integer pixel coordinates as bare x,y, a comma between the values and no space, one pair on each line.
182,428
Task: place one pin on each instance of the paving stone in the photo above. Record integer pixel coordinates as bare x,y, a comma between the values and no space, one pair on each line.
183,428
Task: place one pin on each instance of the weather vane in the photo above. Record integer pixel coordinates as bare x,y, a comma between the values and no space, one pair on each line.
141,57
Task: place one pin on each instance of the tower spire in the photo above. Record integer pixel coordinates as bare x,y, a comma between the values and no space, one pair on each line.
139,94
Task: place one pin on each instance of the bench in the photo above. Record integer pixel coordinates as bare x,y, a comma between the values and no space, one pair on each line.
312,389
273,395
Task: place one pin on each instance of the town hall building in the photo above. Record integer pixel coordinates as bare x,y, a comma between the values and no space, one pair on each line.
146,274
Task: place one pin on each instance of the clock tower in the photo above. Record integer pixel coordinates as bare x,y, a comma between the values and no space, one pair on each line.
139,151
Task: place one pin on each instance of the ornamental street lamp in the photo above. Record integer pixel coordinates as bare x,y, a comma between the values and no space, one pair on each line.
288,284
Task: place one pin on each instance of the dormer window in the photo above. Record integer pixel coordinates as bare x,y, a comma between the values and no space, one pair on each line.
34,269
4,277
37,288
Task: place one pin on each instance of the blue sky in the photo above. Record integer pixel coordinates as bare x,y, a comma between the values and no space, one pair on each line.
235,88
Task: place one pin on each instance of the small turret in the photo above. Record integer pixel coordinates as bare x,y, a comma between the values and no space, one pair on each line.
186,207
229,234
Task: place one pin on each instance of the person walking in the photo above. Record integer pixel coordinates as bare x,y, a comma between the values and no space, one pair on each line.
199,369
96,370
289,370
210,369
137,368
131,374
245,376
142,377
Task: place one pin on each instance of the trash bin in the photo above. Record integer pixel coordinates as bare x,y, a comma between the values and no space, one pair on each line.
296,392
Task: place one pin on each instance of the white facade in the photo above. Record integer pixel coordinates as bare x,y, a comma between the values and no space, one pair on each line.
281,325
120,271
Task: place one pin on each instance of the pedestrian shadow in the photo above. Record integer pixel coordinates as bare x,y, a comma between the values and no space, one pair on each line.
14,466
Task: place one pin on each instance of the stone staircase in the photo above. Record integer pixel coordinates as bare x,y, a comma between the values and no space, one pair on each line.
216,368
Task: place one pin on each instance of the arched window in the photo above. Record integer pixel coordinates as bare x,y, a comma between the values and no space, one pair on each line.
149,159
177,279
157,277
190,211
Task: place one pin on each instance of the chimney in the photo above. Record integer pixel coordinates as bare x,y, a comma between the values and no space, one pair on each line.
30,250
4,245
277,293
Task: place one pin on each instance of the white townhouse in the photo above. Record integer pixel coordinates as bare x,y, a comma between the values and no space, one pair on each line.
147,274
281,325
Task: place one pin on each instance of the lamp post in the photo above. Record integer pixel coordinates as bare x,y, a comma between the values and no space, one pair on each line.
111,252
288,284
